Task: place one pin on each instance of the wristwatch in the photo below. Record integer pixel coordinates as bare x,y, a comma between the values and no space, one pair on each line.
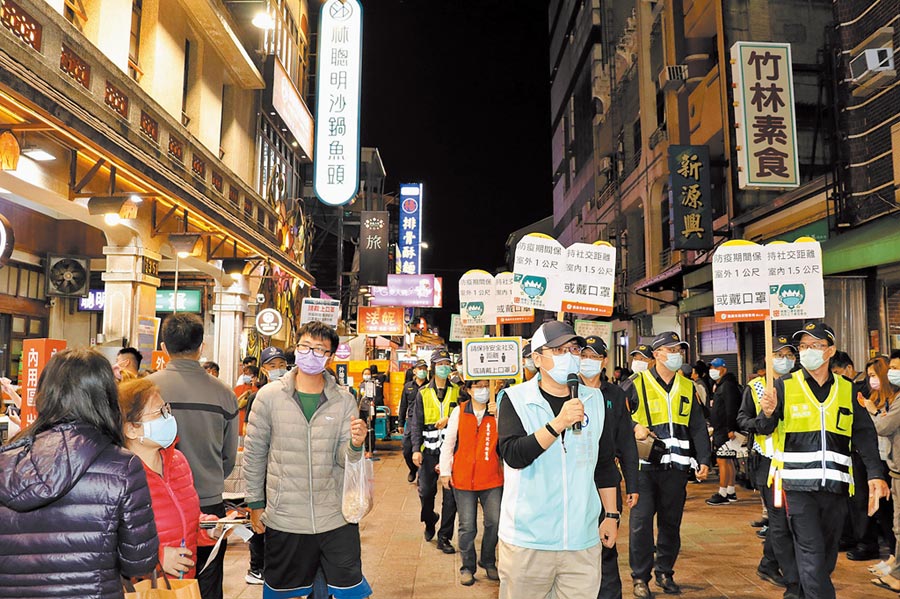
614,515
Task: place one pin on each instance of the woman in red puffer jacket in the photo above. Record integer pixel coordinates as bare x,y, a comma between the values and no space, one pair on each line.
150,431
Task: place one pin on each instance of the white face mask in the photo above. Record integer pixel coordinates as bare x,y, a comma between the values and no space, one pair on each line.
367,377
715,373
812,359
783,364
481,394
894,377
639,365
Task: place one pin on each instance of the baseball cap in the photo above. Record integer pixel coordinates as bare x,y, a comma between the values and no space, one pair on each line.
668,339
526,350
595,343
554,333
819,330
421,364
644,350
270,353
440,355
779,342
717,362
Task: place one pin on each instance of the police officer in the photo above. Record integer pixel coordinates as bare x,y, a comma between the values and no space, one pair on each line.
778,564
662,400
818,420
618,418
407,405
434,402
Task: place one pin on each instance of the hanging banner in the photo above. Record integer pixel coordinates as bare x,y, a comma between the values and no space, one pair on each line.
459,331
327,311
740,282
35,355
796,288
477,304
414,291
589,279
765,125
373,248
508,311
691,197
492,358
338,77
409,247
537,272
377,320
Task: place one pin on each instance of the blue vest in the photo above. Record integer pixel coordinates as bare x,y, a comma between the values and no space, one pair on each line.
553,504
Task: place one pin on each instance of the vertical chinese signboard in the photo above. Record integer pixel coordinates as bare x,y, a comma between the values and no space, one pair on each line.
691,197
375,320
765,123
35,355
409,248
336,157
373,248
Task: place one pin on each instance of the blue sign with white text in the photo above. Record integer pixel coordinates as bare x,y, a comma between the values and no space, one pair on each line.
409,248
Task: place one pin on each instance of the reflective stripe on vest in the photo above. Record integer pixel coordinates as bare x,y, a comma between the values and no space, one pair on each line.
476,464
435,410
762,444
670,415
814,451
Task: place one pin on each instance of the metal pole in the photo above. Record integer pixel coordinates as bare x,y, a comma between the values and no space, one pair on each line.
175,293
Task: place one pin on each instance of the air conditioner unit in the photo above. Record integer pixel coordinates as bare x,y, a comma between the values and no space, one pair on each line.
869,62
68,276
605,164
673,76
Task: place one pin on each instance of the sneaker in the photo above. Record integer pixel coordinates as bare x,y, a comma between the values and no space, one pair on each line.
732,497
254,577
466,578
762,532
717,499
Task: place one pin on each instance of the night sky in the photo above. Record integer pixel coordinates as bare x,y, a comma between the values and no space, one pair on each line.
456,95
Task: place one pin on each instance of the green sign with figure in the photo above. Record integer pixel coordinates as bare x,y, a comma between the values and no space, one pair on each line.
188,300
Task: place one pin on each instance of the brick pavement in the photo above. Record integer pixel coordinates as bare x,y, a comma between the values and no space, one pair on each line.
718,557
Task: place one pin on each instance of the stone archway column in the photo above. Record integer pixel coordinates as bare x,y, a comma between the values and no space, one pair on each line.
229,308
131,279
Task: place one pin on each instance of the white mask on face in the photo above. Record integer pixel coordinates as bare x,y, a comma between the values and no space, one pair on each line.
812,359
639,365
481,394
783,364
894,377
715,373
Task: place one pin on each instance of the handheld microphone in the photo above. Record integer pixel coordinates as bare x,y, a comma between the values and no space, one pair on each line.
572,384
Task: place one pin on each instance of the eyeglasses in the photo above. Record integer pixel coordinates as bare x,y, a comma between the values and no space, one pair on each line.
575,350
165,411
317,351
821,346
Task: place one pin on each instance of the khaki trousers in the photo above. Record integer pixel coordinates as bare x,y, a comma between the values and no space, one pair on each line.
548,574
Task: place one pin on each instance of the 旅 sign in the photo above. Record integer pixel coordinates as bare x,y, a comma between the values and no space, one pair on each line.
766,132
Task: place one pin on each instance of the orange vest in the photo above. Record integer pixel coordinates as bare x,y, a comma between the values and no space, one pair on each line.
476,464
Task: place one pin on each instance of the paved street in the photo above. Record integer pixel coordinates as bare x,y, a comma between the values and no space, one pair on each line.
718,558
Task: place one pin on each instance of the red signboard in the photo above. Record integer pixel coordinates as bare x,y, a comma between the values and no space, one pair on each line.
380,320
159,360
35,355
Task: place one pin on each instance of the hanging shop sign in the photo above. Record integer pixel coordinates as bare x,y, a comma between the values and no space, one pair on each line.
282,97
336,159
477,303
589,279
35,355
327,311
459,331
380,320
373,248
508,311
538,268
414,291
269,322
343,352
765,122
188,300
492,357
410,246
691,197
94,302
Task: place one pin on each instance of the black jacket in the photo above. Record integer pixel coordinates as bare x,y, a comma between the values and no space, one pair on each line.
618,418
75,515
408,402
725,406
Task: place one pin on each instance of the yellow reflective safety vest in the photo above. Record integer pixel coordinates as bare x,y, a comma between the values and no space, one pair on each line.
762,444
435,410
670,416
813,452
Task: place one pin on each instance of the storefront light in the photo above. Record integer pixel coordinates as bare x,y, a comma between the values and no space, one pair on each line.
38,154
112,218
263,20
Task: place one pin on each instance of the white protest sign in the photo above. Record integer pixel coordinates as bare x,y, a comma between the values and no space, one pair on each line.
508,311
589,279
476,298
740,282
796,288
459,331
492,357
539,265
321,310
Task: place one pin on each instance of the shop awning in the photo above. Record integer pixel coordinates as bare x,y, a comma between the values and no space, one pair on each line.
870,245
667,280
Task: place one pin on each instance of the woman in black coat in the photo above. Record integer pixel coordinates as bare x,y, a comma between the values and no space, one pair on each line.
75,510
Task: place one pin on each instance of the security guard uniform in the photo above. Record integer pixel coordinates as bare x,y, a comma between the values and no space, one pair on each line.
407,405
678,422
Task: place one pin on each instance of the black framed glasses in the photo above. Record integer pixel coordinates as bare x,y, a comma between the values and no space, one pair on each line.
317,351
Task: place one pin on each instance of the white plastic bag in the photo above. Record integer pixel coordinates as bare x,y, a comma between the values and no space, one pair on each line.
359,489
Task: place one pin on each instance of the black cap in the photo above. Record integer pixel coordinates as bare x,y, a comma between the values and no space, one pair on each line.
439,355
421,364
668,339
554,333
779,342
270,353
595,343
526,350
819,330
644,350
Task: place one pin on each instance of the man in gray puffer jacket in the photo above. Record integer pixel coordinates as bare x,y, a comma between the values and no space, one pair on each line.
301,431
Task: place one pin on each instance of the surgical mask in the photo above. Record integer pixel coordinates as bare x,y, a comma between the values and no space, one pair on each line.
161,431
590,367
442,372
674,361
894,377
529,365
783,365
276,373
309,363
421,374
481,394
563,366
715,373
874,383
639,365
367,377
812,359
246,379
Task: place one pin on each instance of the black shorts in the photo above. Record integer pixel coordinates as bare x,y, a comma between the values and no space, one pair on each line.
292,561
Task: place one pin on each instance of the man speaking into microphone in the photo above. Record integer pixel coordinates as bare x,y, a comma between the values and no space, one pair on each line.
559,476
